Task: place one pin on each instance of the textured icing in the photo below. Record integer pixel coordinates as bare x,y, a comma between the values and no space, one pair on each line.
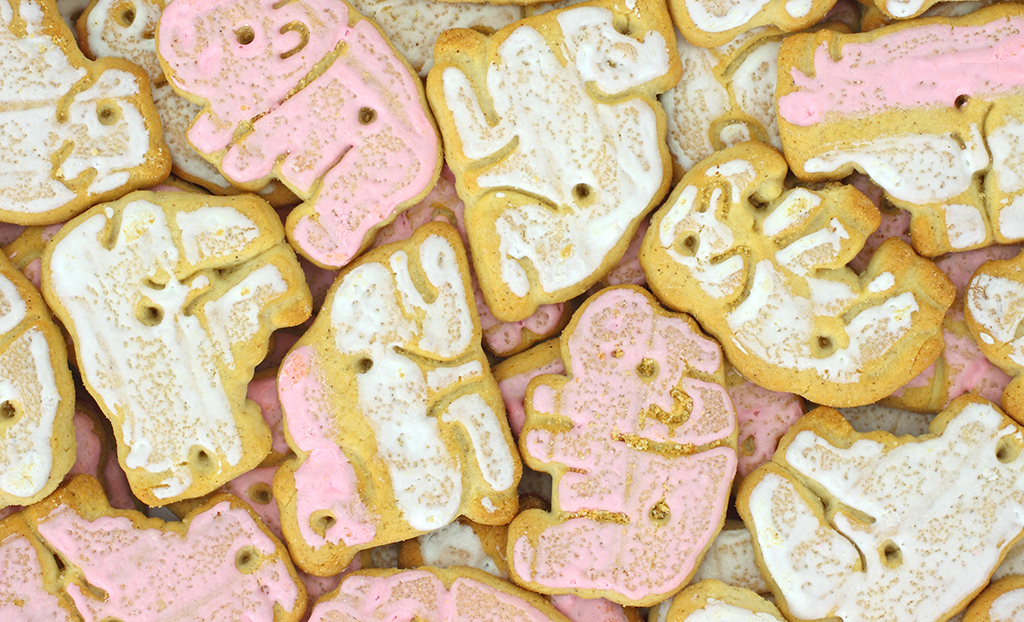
513,392
722,16
456,544
763,417
899,534
1008,607
413,375
110,32
730,559
996,305
355,139
23,583
420,595
112,553
609,145
53,105
645,469
718,611
263,391
131,293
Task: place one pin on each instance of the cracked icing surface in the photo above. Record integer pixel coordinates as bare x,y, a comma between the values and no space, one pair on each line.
396,365
646,466
771,281
897,529
137,283
522,173
74,131
355,141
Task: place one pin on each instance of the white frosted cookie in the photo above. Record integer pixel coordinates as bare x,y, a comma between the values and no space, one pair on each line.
875,527
459,543
75,132
37,394
171,299
713,601
948,150
762,266
709,23
1002,601
727,96
397,425
730,559
557,143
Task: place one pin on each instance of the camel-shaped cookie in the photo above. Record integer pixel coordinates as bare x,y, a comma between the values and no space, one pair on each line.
312,94
763,269
557,143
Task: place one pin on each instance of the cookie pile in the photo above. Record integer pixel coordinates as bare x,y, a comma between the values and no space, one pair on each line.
604,310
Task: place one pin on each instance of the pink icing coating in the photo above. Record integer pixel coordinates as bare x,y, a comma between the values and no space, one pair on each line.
327,479
607,401
246,484
131,566
763,417
926,65
22,581
588,609
420,595
263,391
628,270
354,169
89,447
513,393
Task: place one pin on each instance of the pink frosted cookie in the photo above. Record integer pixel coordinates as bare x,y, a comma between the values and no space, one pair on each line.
763,416
37,394
171,298
225,565
875,527
499,338
515,373
551,206
310,93
30,588
640,438
728,97
75,132
628,270
390,407
263,391
593,609
432,595
948,150
762,266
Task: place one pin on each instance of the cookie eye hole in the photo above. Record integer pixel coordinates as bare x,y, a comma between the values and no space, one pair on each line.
688,245
961,100
823,346
125,15
107,113
201,459
647,369
246,558
582,192
1007,450
321,521
891,554
364,365
367,116
9,412
757,204
621,24
245,35
260,494
149,313
748,446
660,513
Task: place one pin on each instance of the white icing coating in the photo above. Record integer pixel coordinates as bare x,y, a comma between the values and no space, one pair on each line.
798,8
610,147
711,16
1006,144
901,532
692,105
214,231
736,173
965,226
718,611
753,85
902,9
659,613
734,134
109,33
804,254
883,282
1011,219
12,306
456,544
27,381
370,315
234,318
106,293
997,306
917,168
730,559
1008,607
1013,563
791,212
35,75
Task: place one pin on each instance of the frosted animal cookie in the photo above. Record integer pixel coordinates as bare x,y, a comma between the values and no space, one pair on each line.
730,559
727,97
393,359
762,267
235,568
459,543
37,395
432,595
263,391
310,93
1012,564
947,152
30,583
994,309
75,132
763,416
640,439
628,270
707,23
551,206
714,600
1002,601
515,373
875,17
913,527
26,252
171,298
442,204
126,29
